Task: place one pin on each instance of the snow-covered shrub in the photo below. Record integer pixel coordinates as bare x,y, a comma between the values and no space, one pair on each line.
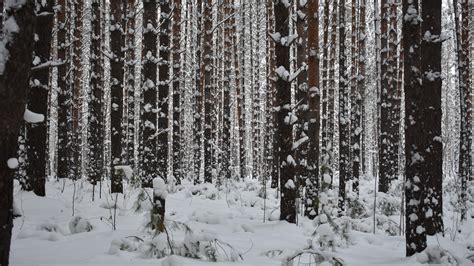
356,208
324,232
312,257
50,227
435,255
129,244
388,204
143,202
206,246
155,247
79,225
205,190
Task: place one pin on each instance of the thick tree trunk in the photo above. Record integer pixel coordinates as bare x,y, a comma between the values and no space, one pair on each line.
285,117
344,112
177,76
96,111
38,100
116,91
149,80
431,154
205,72
163,89
64,94
415,142
198,115
312,181
14,88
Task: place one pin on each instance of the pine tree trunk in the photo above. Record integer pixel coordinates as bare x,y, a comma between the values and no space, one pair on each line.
285,117
38,100
205,73
64,94
432,162
130,62
344,112
14,89
96,111
149,148
414,141
116,71
198,97
302,93
226,125
177,77
163,89
312,181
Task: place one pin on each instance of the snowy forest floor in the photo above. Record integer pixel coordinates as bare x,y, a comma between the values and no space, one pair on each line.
41,236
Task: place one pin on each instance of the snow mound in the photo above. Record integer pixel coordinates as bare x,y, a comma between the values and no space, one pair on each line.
79,225
160,189
207,218
172,260
435,255
50,227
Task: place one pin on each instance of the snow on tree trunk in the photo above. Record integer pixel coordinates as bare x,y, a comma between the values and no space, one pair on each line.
148,163
285,117
96,105
430,147
205,72
313,94
344,112
17,45
38,99
164,88
414,141
177,94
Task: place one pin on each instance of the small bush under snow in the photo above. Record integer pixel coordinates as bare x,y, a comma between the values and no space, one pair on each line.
79,225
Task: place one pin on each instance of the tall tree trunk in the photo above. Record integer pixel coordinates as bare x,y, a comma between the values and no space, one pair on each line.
344,112
312,182
149,80
163,88
465,84
431,154
116,94
205,73
64,93
198,112
285,117
325,149
14,88
96,111
302,95
177,77
414,124
77,90
38,99
361,79
129,89
226,124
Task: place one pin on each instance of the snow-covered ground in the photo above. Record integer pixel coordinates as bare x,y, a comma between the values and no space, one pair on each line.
42,235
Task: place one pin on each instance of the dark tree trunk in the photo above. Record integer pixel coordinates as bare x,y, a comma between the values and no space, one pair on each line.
198,115
148,113
116,91
226,122
163,89
96,111
285,117
312,183
344,112
414,124
76,86
36,136
205,71
64,95
431,145
177,76
14,88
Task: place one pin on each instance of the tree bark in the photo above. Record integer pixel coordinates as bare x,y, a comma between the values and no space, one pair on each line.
14,89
